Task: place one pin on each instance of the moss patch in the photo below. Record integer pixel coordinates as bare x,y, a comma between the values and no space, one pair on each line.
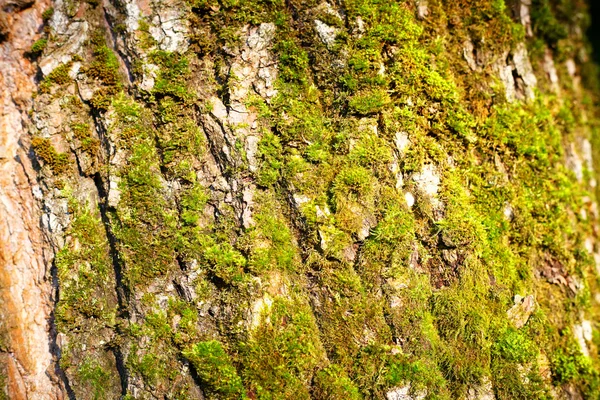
58,162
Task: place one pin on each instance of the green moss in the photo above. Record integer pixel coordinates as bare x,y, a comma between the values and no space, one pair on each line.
147,41
283,353
224,262
89,372
422,299
151,368
3,386
354,182
396,227
514,346
180,140
87,306
463,329
159,362
85,274
545,23
513,381
146,221
89,144
104,68
270,151
456,316
369,103
58,162
38,46
332,383
423,376
58,76
215,370
173,79
293,61
371,151
570,365
269,243
193,202
47,14
155,363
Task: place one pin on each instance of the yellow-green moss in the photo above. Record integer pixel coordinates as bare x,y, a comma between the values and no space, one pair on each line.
283,353
58,76
215,370
85,273
58,162
89,144
422,299
104,69
38,46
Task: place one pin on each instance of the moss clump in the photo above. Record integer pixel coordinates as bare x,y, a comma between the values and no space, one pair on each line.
81,130
332,383
89,144
174,75
47,14
90,372
154,363
87,307
148,224
180,140
58,162
58,76
85,274
38,46
215,370
158,362
3,391
514,346
224,262
147,41
569,365
269,243
104,68
148,220
369,103
151,368
546,24
284,352
294,61
270,151
192,204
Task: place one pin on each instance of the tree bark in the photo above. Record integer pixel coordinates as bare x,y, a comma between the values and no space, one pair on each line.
269,199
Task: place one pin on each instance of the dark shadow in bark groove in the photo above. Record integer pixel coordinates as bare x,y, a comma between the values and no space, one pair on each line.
54,348
121,288
123,294
112,32
593,32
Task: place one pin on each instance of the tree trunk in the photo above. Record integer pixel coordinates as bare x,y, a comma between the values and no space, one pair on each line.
269,199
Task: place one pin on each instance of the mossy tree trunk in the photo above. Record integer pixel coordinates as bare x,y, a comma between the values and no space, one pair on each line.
271,199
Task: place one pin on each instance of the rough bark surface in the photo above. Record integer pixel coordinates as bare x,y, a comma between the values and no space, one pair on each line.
269,199
25,290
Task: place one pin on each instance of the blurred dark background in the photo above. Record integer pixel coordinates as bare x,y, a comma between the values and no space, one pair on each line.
594,29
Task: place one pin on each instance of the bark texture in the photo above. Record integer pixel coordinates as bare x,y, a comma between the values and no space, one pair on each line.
269,199
24,281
